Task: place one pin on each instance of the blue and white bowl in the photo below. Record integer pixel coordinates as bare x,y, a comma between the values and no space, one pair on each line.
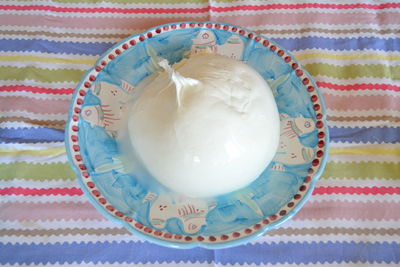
139,202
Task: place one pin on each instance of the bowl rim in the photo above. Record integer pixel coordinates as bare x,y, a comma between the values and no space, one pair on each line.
88,187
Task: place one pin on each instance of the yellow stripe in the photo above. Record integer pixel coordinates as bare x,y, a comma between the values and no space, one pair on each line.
365,151
48,59
347,57
55,151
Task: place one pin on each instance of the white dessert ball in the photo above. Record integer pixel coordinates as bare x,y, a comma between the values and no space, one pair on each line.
207,126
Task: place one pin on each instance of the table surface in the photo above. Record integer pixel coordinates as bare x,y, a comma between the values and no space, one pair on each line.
350,47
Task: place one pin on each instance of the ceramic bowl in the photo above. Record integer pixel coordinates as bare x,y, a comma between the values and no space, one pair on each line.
139,202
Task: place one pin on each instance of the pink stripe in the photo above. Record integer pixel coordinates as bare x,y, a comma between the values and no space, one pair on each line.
48,211
359,86
349,210
362,102
41,106
34,89
133,23
356,190
312,210
73,191
197,10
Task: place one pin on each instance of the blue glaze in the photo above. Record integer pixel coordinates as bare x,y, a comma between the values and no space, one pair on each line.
128,191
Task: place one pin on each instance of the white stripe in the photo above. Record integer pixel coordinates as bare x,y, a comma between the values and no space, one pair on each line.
58,224
53,85
363,113
355,198
45,65
34,116
105,15
34,159
341,62
17,124
44,54
357,80
312,25
329,181
367,144
111,41
357,123
345,52
44,199
364,158
36,146
37,95
355,93
266,239
39,184
104,4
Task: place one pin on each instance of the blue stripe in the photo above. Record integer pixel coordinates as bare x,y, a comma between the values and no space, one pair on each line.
138,252
45,46
31,135
390,44
97,48
364,135
342,134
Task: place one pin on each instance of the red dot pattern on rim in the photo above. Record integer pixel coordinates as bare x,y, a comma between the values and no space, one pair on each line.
321,144
157,233
139,225
315,162
167,235
224,237
299,72
201,24
132,42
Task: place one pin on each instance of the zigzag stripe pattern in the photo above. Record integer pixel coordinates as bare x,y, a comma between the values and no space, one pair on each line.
353,51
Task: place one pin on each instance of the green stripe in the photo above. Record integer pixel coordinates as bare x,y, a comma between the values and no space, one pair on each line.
37,172
362,170
39,74
353,71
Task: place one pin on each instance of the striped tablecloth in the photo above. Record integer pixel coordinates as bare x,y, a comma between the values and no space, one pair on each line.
350,47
